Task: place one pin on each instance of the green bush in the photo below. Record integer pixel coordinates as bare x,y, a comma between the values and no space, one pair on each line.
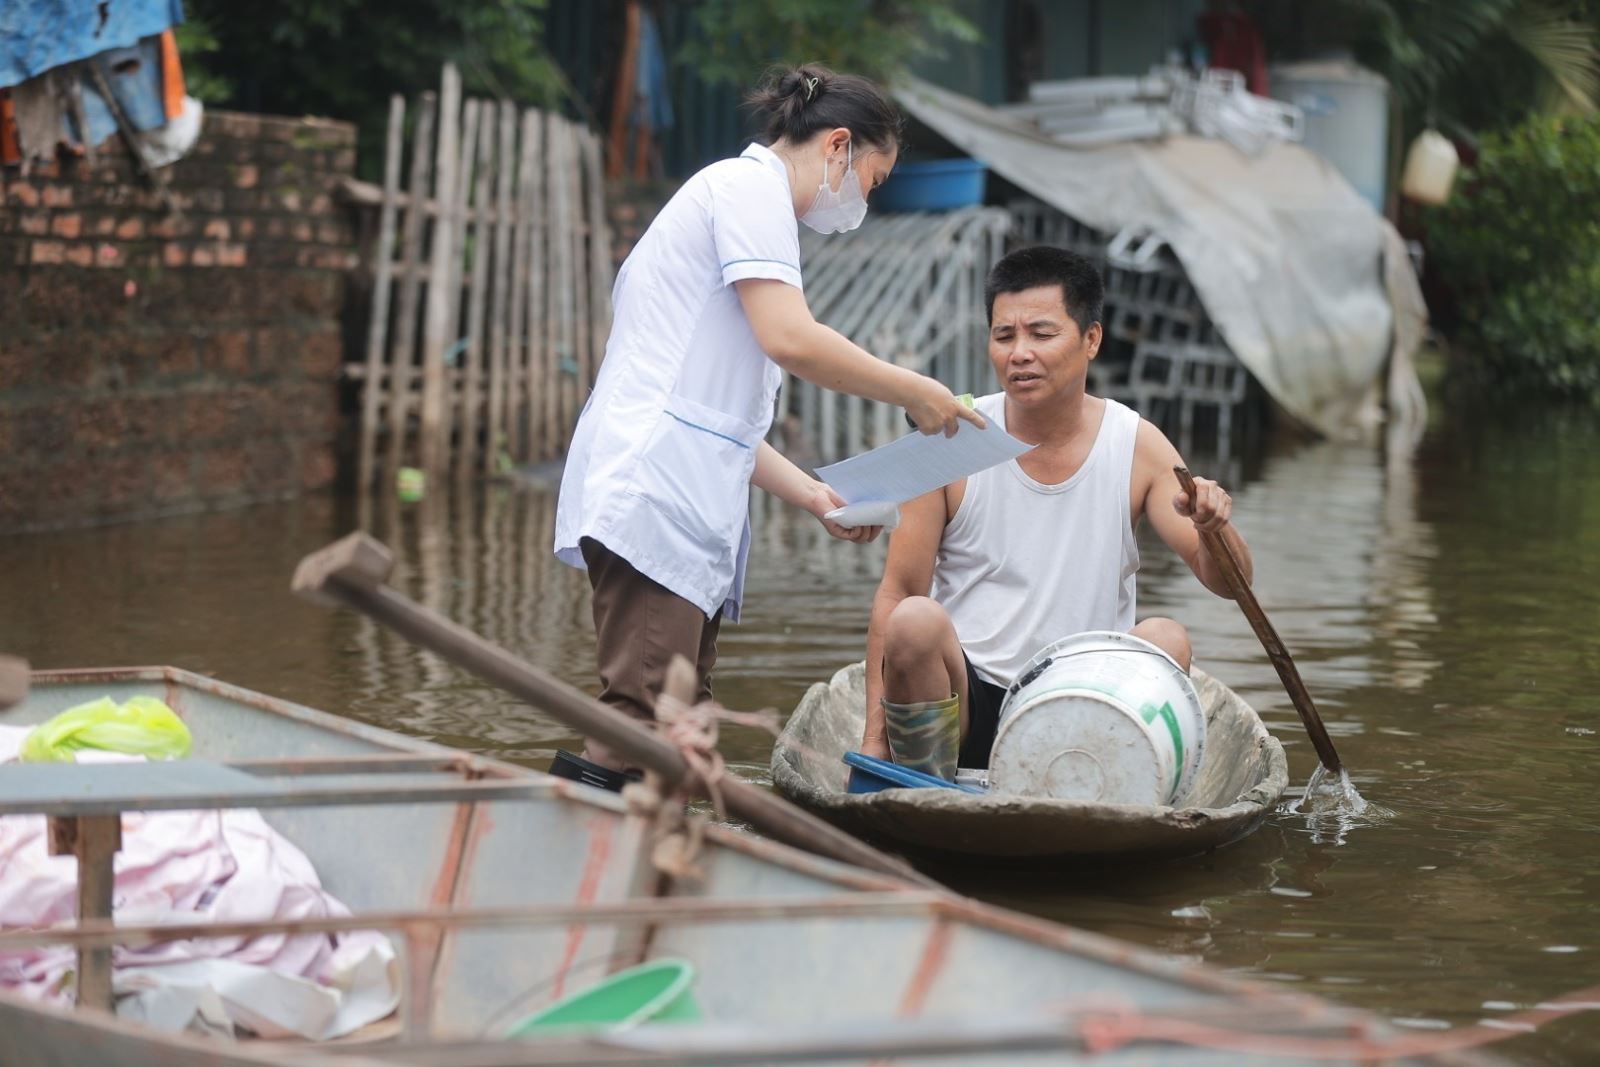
1519,244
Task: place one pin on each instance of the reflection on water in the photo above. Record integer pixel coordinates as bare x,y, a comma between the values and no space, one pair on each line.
1440,606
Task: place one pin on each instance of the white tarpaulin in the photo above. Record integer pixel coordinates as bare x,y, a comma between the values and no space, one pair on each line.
1309,286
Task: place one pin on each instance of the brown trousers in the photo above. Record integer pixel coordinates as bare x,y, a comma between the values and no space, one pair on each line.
639,626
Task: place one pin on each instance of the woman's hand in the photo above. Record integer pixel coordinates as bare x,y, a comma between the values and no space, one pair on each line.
935,409
824,500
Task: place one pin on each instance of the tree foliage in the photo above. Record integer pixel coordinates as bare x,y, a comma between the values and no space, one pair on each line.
345,57
1482,64
877,38
1520,245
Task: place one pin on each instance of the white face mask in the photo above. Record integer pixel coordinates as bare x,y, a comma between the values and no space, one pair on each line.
842,211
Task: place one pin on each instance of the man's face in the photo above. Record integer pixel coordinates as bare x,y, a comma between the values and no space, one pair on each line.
1038,352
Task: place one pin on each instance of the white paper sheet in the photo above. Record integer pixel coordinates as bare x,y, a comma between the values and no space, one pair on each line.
920,463
868,513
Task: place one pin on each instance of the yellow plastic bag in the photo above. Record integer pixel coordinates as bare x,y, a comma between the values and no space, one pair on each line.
142,726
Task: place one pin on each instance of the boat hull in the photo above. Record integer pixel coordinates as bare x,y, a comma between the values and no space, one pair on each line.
1238,784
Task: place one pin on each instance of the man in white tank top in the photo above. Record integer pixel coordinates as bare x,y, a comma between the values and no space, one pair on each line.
986,571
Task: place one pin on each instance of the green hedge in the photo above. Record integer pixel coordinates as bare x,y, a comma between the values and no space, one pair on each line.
1519,244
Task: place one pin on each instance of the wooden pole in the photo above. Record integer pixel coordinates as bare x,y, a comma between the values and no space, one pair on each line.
474,358
452,373
524,304
576,368
373,384
94,840
352,573
558,280
441,294
623,92
402,358
501,343
1233,574
600,273
531,397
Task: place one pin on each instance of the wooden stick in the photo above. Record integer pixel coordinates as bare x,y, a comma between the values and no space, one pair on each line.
524,298
600,273
500,341
441,275
451,376
403,357
539,222
473,358
623,100
352,572
559,278
382,273
1233,574
94,840
576,387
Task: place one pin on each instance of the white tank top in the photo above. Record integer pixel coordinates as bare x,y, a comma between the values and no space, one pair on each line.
1023,564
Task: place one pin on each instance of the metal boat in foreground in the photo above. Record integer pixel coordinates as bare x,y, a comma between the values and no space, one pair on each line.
505,888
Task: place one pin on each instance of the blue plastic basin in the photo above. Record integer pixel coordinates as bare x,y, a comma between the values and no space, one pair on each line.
869,774
937,185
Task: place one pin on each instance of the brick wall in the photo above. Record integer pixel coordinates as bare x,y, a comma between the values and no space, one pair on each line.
154,363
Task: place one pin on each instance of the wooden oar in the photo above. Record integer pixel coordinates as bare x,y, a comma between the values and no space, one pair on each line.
351,573
1233,574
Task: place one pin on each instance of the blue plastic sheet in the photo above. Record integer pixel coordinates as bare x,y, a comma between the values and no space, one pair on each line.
40,35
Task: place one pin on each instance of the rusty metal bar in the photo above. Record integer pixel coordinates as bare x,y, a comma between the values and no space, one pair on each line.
1236,1029
94,840
846,905
307,792
377,763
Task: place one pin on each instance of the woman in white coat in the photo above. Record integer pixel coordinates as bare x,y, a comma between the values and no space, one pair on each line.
710,312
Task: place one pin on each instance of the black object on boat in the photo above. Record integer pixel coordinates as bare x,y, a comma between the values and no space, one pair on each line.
578,769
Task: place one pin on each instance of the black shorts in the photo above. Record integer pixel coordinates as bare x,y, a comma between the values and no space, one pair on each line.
983,718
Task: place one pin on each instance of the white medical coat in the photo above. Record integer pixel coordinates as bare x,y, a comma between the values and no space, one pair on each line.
660,463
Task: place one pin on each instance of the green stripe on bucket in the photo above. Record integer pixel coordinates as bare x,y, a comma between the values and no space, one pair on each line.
1149,713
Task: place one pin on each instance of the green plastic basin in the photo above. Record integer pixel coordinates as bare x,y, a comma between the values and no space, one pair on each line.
657,991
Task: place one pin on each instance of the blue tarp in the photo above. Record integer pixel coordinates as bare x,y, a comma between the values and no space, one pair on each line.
39,35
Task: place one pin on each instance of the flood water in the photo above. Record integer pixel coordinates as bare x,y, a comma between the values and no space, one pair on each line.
1442,606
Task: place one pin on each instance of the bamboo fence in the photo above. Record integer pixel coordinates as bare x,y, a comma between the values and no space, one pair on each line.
491,299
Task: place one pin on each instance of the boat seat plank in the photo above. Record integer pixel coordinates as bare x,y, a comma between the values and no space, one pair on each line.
77,789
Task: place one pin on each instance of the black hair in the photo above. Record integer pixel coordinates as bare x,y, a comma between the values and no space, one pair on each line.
803,101
1082,290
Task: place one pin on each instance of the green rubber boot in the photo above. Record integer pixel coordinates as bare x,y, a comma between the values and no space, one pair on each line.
925,736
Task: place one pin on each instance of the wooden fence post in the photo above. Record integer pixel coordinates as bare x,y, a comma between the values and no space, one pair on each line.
441,288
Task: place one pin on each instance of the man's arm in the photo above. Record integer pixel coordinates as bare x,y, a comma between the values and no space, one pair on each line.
907,572
1179,520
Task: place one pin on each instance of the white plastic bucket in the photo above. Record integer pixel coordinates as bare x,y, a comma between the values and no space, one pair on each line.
1102,717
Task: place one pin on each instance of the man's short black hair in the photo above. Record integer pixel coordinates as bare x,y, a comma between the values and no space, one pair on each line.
1082,290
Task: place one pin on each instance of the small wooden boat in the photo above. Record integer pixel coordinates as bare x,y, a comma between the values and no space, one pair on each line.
506,888
1241,778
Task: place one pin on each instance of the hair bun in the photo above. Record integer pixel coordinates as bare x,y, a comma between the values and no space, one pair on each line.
799,101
